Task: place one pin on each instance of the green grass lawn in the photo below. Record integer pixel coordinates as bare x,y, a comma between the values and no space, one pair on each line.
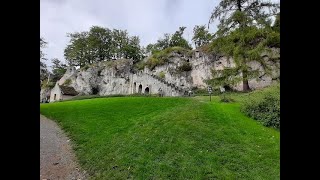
167,138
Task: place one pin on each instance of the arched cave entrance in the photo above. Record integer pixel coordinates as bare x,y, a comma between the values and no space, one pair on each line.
146,91
140,89
95,90
134,87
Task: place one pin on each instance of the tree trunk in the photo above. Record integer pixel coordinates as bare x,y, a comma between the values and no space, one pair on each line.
239,4
245,81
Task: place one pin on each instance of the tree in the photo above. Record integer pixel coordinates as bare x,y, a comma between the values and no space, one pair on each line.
58,69
276,25
245,34
120,40
160,45
132,49
201,36
150,48
178,40
163,43
77,52
43,66
100,43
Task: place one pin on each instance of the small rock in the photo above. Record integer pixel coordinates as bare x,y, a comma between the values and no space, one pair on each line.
56,163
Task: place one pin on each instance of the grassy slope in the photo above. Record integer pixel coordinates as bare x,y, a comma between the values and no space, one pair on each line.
167,138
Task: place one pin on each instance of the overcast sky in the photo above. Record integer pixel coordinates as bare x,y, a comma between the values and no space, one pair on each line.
149,19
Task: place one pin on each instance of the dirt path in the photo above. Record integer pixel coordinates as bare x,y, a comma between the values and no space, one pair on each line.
57,160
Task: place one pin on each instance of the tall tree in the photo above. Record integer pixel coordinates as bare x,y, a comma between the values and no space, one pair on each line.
201,36
58,69
160,45
100,43
163,43
245,34
43,66
120,40
178,40
76,52
132,49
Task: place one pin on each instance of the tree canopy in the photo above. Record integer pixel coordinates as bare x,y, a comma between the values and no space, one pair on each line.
100,44
43,66
201,36
169,40
58,69
245,34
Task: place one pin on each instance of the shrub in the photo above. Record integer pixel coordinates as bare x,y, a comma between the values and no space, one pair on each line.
161,57
46,85
185,67
264,106
67,82
162,75
140,65
85,67
153,62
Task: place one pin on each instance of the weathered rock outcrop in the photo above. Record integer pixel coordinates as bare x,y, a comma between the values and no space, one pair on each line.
175,78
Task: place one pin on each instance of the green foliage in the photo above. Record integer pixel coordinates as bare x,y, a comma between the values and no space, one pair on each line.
162,75
85,67
225,98
58,69
161,44
276,25
100,44
178,40
45,84
83,97
244,33
76,53
152,62
186,66
43,67
169,41
167,138
140,65
67,82
201,36
264,106
43,44
161,57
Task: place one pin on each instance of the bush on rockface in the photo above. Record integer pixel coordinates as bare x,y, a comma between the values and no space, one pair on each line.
264,106
186,66
162,75
159,58
67,82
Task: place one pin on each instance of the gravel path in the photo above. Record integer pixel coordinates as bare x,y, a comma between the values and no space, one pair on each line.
57,160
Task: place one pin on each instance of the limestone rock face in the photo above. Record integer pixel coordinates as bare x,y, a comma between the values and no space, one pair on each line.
175,78
44,94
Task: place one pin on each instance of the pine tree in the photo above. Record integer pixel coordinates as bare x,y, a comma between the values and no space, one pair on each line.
244,33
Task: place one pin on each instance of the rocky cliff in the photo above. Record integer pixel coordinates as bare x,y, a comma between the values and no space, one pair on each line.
179,74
